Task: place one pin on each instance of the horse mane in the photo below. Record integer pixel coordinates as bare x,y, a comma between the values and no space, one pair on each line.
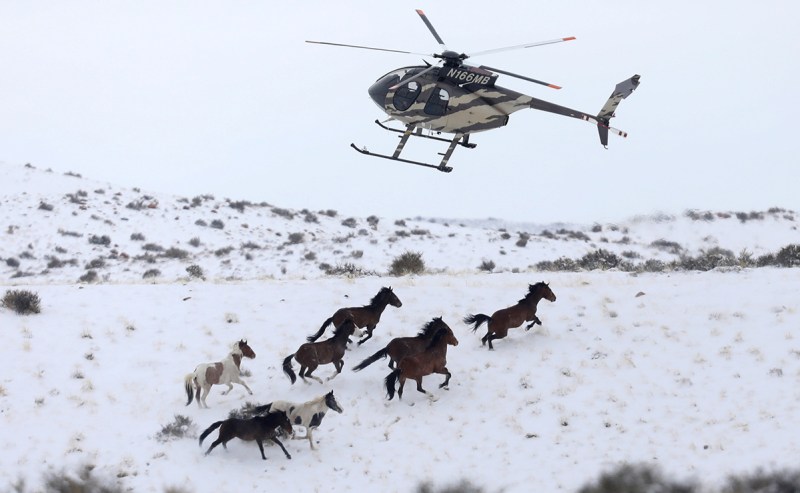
375,301
437,337
429,328
533,287
338,331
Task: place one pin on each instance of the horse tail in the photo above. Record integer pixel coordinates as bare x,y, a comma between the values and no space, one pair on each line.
391,380
209,430
187,384
317,335
287,368
477,320
375,357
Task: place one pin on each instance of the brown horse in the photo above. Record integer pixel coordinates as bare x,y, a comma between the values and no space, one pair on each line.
312,354
258,428
513,316
363,316
431,360
400,347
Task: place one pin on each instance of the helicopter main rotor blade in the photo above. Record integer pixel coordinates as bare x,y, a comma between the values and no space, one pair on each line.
368,48
431,29
552,86
414,77
519,47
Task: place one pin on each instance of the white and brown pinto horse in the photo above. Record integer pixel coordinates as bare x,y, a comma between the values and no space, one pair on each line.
307,414
225,372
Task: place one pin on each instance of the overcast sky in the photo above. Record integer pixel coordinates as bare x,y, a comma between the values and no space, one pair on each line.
190,97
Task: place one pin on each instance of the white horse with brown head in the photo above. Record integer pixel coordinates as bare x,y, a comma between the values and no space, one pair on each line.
225,372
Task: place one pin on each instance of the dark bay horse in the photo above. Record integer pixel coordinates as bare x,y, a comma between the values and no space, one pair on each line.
312,354
225,372
400,347
363,316
431,360
513,316
258,428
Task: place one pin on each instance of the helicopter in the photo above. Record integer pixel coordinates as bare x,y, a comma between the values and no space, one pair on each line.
452,97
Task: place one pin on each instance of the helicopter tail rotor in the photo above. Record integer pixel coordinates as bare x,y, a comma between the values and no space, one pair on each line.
621,91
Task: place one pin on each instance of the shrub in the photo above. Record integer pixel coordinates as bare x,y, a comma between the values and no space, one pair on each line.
195,242
97,263
195,271
296,238
350,222
100,240
247,410
789,256
709,259
152,247
486,266
407,263
636,479
599,259
176,253
181,427
22,302
221,252
562,264
151,273
347,270
777,482
217,224
200,222
44,206
523,240
373,222
239,205
462,486
667,246
12,262
310,217
90,276
285,213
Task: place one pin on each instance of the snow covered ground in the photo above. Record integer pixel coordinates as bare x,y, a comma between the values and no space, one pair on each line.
697,373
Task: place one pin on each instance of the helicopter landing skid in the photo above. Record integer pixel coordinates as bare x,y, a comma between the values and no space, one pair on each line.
410,132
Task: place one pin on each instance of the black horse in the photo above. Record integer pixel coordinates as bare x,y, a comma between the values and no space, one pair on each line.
258,428
363,316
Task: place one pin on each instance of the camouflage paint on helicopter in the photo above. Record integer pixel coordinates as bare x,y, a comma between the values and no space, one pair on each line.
459,99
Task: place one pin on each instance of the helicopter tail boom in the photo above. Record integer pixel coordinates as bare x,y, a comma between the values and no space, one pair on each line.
602,119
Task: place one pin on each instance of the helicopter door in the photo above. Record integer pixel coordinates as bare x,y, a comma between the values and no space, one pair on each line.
437,102
405,95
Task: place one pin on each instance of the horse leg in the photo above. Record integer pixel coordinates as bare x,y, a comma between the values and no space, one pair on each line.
275,439
446,372
419,386
339,364
240,382
310,439
400,389
309,375
216,442
485,338
370,328
261,448
536,321
202,398
230,387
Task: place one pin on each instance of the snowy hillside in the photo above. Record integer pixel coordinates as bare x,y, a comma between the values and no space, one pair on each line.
696,373
58,228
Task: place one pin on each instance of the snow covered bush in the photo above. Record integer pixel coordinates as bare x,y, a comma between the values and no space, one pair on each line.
407,263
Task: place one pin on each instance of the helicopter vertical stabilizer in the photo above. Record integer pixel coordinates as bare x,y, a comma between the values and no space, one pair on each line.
621,91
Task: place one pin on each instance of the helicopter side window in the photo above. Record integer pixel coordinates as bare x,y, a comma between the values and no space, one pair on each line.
405,95
437,102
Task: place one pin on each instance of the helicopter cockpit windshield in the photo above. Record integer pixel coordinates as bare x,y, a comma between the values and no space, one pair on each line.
404,96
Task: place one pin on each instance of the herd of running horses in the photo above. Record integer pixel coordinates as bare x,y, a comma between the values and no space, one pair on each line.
409,358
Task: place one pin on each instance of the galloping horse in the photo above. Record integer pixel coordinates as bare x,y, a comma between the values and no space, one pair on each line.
307,414
513,316
363,316
223,372
432,360
401,347
258,428
312,354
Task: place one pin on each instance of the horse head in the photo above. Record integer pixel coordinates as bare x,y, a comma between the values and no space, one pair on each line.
283,422
543,290
246,350
390,297
330,401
